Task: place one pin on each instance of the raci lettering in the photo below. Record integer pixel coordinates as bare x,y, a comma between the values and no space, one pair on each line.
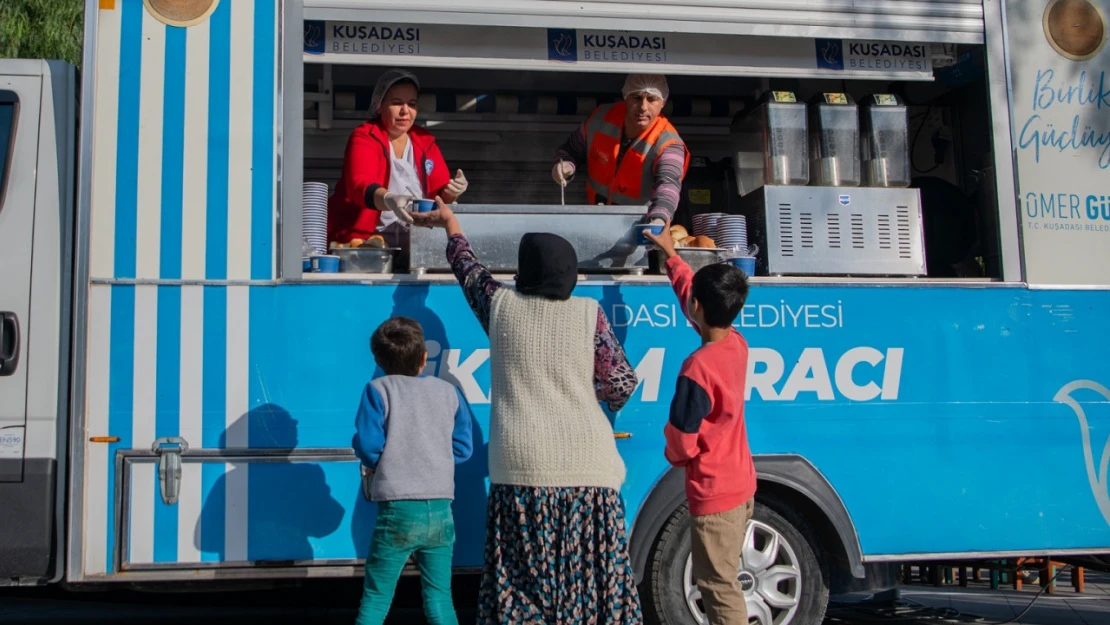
812,376
1085,132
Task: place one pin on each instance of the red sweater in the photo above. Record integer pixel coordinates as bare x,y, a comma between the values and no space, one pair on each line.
351,212
706,432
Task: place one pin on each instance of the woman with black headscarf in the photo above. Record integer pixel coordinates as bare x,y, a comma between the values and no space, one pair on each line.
556,547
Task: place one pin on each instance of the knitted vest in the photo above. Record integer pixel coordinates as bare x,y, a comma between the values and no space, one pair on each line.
546,426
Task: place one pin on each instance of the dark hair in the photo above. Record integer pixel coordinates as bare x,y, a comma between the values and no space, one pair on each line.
398,346
721,290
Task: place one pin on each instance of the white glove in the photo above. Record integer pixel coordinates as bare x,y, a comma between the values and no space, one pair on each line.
457,186
562,172
399,204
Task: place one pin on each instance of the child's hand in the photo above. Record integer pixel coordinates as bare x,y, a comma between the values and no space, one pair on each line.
663,241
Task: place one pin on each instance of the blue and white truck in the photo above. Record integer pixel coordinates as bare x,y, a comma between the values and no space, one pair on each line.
177,395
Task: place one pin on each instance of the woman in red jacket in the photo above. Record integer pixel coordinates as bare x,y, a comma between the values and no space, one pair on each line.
389,162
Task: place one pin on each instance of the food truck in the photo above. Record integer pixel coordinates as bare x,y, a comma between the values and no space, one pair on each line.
920,184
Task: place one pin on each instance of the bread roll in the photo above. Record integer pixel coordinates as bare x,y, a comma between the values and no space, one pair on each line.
355,243
703,241
678,232
375,240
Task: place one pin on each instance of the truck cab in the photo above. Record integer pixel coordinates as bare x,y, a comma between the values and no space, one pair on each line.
38,102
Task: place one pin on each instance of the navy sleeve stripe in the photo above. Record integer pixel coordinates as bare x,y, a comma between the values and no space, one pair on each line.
690,406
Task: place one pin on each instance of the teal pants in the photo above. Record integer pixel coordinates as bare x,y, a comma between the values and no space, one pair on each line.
425,530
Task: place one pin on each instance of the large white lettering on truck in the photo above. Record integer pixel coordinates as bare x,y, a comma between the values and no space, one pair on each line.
859,374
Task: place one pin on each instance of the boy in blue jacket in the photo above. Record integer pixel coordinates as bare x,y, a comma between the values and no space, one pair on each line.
410,432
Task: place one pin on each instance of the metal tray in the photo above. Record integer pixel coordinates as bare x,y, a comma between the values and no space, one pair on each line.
365,259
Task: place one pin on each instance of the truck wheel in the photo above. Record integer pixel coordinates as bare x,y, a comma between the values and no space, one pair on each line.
784,581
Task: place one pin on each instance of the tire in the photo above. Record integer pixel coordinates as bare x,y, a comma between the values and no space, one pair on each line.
664,591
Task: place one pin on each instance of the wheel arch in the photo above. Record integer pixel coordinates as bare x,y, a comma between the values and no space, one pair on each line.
787,478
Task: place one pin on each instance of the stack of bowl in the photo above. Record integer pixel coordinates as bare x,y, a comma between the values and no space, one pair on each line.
705,224
732,234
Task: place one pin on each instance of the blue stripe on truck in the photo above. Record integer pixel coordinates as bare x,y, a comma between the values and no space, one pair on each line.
219,93
262,173
173,154
127,143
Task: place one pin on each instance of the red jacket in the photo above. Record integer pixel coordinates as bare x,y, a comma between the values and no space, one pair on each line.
351,212
706,433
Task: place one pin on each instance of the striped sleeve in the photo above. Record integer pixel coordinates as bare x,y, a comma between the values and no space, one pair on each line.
574,149
667,188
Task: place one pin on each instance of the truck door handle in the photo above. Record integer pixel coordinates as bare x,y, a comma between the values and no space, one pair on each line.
9,343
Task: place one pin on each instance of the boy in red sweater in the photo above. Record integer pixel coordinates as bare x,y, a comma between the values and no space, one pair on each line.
706,433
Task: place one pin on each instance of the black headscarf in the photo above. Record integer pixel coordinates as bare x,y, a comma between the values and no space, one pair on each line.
547,265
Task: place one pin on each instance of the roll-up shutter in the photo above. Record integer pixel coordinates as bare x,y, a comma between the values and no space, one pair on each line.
937,21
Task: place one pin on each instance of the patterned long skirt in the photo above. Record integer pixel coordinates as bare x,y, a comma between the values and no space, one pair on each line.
557,556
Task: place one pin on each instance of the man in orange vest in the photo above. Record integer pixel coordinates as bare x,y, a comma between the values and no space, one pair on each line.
632,154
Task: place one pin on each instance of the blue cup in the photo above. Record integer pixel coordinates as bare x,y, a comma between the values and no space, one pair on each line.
325,264
424,206
745,264
656,229
306,265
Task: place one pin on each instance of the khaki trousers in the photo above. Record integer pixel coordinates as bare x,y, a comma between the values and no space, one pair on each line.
716,543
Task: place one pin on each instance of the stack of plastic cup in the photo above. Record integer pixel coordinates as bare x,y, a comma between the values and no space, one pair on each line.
314,216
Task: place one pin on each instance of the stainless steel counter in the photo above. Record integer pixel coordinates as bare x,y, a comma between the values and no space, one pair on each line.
604,236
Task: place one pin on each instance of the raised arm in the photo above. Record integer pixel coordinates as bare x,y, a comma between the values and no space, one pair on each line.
476,281
680,273
667,187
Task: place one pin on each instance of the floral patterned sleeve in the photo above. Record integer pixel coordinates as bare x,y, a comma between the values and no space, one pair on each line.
477,283
614,378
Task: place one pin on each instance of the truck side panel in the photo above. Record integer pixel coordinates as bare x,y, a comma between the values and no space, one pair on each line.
183,189
898,396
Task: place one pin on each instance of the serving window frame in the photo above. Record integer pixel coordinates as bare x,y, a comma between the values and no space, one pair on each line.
291,156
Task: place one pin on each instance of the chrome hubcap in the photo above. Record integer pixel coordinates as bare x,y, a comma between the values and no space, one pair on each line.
770,577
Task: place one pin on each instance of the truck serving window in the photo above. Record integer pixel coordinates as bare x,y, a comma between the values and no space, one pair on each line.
9,101
874,179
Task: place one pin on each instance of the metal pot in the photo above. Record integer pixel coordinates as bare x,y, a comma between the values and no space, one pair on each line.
365,259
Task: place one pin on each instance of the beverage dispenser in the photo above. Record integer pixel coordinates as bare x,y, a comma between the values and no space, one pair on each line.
834,140
769,143
885,142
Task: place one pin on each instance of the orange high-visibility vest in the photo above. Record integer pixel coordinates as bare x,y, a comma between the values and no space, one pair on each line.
629,181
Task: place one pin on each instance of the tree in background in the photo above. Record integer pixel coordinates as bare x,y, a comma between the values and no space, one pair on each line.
41,29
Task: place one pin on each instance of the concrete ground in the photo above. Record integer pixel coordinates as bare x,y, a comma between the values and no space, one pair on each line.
979,604
336,603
